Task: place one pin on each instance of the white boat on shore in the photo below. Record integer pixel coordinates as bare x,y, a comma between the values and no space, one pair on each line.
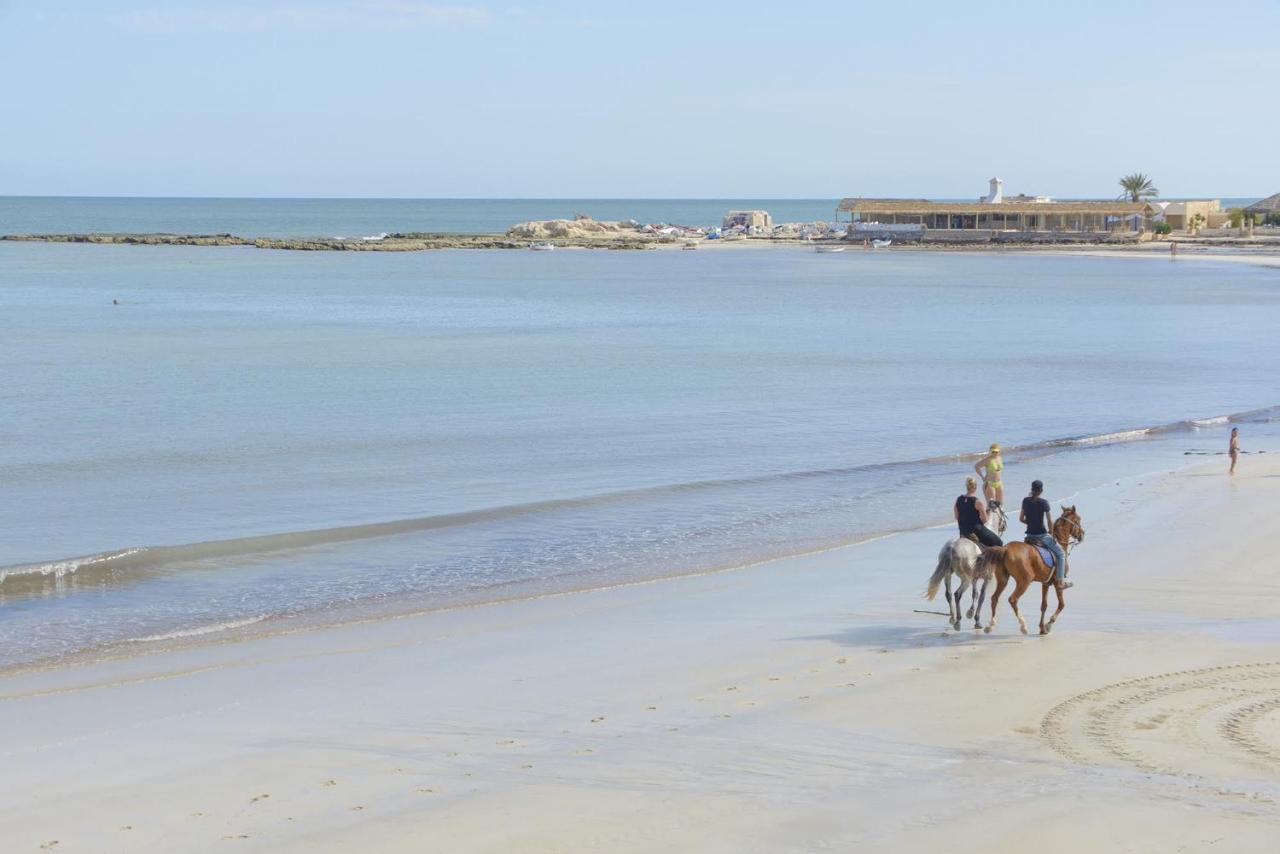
544,246
882,244
828,248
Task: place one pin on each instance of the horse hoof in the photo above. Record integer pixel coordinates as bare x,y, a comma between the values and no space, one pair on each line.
969,613
987,630
1024,630
1044,631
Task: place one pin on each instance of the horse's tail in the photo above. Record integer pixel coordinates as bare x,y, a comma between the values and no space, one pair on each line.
991,562
944,566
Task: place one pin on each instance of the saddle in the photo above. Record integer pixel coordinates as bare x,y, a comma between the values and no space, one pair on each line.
1045,555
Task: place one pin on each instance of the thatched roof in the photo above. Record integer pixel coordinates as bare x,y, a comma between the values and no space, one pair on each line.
924,206
1271,204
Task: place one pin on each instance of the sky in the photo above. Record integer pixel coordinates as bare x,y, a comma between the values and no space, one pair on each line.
398,98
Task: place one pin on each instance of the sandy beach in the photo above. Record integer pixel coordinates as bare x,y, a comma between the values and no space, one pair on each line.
796,705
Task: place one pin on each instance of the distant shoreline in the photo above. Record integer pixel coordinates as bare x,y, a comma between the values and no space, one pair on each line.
1265,251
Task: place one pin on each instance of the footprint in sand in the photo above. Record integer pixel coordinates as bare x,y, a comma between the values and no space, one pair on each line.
258,798
651,708
356,809
724,716
510,740
842,661
597,720
526,766
805,697
197,815
732,688
673,729
775,678
1026,730
425,791
1151,723
585,750
51,844
126,827
236,836
329,783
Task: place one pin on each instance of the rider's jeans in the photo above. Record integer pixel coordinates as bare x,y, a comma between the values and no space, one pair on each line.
1051,544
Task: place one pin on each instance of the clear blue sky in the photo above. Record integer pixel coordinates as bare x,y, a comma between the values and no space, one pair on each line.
650,99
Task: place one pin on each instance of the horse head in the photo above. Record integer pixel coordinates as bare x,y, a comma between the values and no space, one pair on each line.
1072,518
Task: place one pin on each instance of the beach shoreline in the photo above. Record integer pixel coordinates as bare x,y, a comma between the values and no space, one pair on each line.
1264,252
794,704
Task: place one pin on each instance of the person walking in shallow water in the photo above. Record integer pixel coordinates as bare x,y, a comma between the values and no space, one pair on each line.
1234,449
991,469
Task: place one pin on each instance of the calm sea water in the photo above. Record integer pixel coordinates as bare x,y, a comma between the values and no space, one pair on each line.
251,434
366,217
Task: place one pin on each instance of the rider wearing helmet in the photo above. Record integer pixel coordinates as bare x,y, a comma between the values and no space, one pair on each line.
971,516
1038,517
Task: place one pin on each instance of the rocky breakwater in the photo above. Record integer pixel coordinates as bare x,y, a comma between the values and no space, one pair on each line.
136,239
600,234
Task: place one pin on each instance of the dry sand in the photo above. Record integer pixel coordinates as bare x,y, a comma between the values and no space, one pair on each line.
799,705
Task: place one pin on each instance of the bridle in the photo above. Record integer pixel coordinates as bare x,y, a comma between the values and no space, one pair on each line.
1077,531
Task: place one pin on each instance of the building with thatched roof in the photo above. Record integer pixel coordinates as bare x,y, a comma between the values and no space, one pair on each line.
994,212
1268,206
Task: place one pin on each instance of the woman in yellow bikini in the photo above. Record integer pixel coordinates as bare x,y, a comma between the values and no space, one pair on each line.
991,469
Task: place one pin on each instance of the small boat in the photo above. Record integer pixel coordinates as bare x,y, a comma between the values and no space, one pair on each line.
544,246
828,248
882,244
690,245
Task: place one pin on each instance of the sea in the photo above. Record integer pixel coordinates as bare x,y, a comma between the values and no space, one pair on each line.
202,442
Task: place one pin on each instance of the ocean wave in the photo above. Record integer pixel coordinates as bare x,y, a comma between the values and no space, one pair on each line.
160,558
61,568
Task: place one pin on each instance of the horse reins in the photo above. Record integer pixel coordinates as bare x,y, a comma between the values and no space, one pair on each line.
1075,528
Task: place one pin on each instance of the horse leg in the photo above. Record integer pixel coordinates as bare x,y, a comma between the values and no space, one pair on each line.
1061,604
976,612
951,613
1019,587
1044,605
964,585
995,601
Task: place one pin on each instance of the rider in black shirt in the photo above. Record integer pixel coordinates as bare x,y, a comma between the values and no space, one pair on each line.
1037,515
971,516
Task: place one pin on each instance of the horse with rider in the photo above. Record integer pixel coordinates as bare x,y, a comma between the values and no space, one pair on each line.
979,554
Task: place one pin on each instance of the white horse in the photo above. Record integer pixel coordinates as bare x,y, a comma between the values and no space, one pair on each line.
959,556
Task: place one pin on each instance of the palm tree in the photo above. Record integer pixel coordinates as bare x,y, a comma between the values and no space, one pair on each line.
1138,187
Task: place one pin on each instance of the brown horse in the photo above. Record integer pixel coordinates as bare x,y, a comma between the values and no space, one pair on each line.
1023,564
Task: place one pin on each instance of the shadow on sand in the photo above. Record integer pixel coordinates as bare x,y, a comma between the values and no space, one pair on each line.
887,637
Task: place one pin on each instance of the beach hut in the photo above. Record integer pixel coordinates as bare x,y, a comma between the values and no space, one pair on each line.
1267,210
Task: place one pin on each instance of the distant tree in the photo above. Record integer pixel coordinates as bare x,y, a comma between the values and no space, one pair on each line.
1138,187
1237,216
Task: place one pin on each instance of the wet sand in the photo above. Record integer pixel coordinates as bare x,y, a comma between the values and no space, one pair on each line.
796,705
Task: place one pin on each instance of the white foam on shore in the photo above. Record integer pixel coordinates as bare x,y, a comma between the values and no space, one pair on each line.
199,630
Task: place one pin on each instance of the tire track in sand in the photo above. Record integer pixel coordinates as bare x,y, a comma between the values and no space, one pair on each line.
1189,723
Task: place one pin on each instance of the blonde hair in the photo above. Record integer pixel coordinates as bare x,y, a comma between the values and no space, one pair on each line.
970,484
